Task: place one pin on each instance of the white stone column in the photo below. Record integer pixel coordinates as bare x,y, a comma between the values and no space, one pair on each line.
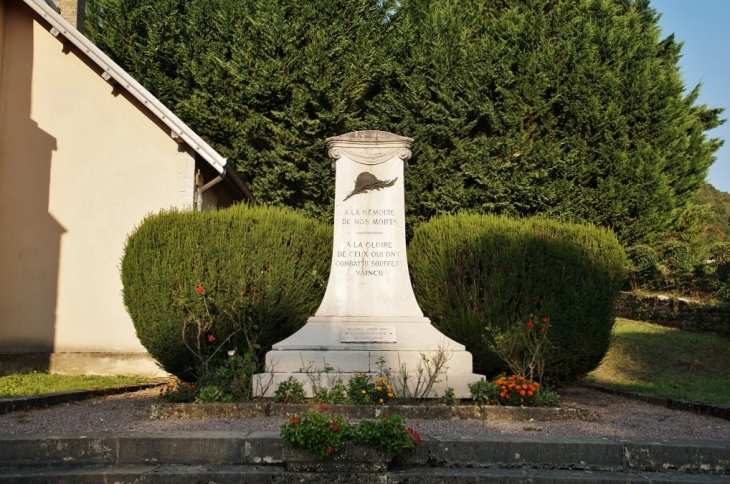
369,319
369,272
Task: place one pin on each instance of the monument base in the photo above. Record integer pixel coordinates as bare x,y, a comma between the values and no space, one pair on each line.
407,348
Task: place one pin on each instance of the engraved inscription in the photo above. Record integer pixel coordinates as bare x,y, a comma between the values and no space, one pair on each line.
368,334
373,257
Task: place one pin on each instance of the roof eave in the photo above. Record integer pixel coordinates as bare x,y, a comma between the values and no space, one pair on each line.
110,70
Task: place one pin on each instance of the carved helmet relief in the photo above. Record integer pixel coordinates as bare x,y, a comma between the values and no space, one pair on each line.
366,182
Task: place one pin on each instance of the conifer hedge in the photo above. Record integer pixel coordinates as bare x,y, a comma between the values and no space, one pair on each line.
263,270
472,272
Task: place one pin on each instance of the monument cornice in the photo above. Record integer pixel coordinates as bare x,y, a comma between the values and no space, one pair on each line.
369,147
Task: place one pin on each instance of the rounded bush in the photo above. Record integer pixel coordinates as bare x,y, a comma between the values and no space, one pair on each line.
261,271
472,272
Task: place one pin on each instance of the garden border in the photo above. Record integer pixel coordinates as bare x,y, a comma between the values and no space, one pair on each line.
420,412
18,404
709,409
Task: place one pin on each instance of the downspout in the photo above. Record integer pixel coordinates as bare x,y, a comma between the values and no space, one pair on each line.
202,188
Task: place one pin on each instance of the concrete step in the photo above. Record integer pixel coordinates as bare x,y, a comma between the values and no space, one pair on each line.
237,456
255,474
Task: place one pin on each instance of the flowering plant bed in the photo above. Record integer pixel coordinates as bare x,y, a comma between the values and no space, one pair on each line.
370,444
354,458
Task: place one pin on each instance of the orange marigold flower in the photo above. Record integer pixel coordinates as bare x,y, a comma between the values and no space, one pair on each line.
522,393
530,393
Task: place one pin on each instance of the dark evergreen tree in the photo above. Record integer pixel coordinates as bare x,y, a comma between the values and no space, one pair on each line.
570,109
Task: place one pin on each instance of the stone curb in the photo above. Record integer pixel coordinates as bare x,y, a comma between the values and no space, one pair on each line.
420,412
274,475
710,409
8,405
449,451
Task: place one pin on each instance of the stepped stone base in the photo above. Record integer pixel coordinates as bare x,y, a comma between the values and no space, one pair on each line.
316,355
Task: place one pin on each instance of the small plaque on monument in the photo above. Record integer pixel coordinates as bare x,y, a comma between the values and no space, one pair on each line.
368,334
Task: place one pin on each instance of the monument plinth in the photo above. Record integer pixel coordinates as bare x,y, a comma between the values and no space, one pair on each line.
369,319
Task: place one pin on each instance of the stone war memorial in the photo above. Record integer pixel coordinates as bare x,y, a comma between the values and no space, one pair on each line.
369,321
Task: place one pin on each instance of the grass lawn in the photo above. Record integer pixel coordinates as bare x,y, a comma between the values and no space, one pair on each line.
649,358
27,384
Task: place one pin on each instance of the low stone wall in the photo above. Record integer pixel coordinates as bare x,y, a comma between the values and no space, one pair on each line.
675,312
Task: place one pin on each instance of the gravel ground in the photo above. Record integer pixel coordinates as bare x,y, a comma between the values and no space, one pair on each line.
615,416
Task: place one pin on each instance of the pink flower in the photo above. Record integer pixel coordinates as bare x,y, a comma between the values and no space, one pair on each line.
200,290
211,338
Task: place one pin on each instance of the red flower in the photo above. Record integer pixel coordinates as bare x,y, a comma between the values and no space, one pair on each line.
294,420
416,437
330,449
543,329
335,426
409,430
529,325
545,320
211,338
322,407
200,290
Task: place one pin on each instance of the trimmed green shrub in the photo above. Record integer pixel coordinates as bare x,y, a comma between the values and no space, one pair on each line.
472,272
236,280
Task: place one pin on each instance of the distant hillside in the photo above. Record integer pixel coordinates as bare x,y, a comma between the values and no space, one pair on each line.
719,219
